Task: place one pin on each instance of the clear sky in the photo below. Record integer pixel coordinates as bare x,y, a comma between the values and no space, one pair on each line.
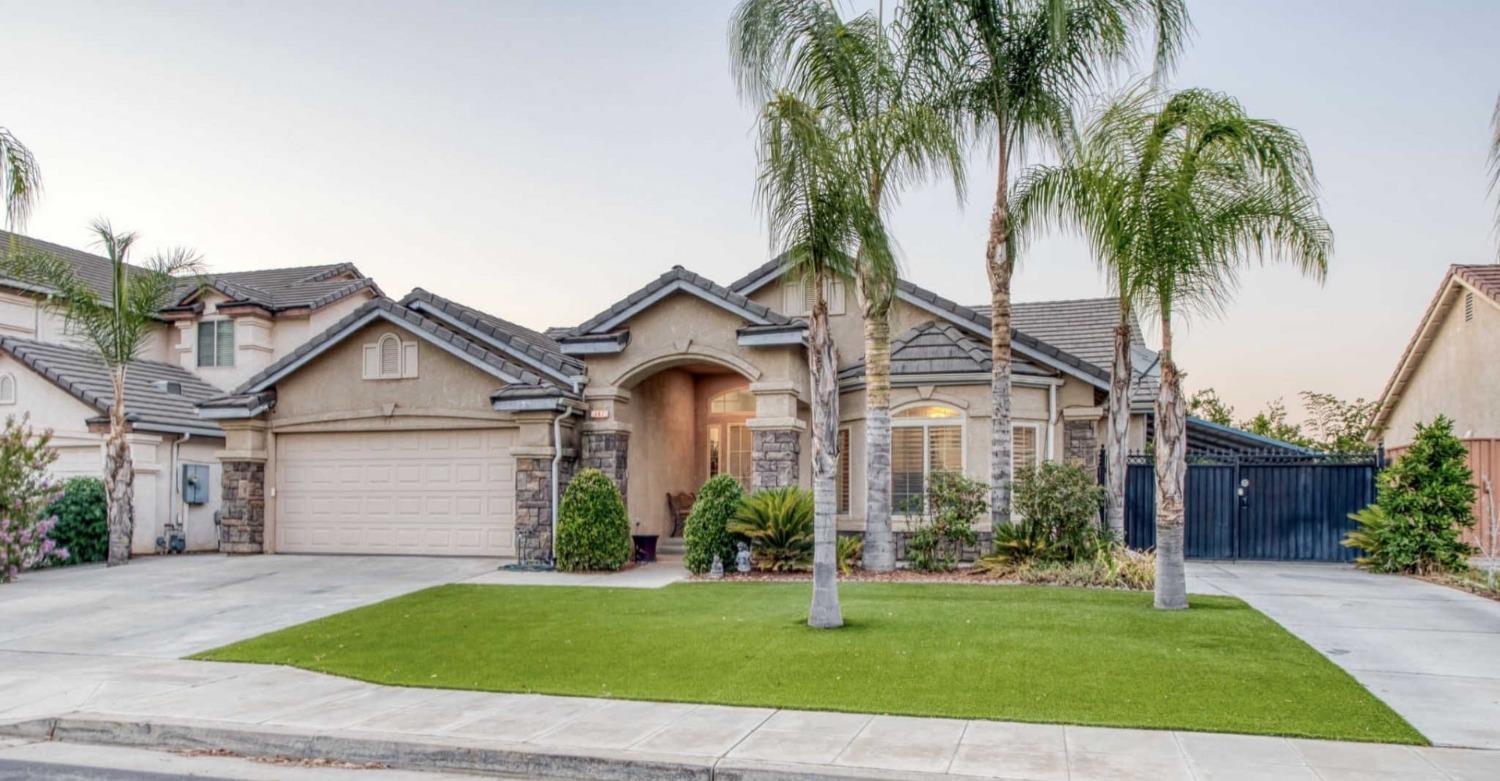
540,159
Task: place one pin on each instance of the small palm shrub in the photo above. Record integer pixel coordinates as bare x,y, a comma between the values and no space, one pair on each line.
82,520
1423,504
1059,506
706,531
851,552
25,493
593,530
778,522
954,504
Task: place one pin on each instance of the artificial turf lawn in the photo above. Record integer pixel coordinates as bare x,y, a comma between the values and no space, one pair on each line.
1012,653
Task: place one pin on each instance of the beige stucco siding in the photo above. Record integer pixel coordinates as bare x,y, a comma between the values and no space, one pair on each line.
259,340
847,328
1458,376
23,316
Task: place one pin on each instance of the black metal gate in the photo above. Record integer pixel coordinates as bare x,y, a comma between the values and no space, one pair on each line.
1242,506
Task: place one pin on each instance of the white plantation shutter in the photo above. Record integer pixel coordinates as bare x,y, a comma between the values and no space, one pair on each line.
1024,453
906,470
224,353
390,356
945,449
843,471
408,359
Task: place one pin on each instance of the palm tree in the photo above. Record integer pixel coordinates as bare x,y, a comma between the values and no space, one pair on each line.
1495,158
1177,192
818,214
1014,68
20,178
890,130
115,328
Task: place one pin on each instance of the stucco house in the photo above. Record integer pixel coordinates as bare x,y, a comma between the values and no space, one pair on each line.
207,342
1451,366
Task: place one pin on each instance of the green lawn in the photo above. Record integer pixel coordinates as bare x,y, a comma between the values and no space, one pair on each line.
1013,653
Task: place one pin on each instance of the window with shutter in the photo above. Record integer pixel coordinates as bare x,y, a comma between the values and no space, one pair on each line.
1024,451
390,356
216,343
843,471
925,440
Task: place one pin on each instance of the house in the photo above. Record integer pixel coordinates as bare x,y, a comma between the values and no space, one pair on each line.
207,341
453,429
1451,366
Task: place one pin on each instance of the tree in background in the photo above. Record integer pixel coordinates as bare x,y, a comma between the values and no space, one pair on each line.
1339,426
1423,504
893,133
1014,69
1272,422
20,179
115,328
1207,405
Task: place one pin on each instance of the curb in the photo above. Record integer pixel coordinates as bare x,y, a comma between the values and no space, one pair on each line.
446,754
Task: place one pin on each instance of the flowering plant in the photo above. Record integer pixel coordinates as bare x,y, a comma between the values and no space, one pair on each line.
25,493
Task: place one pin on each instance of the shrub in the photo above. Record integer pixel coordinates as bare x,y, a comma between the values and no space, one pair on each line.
706,531
778,522
851,551
25,492
1114,566
1058,505
593,530
82,520
954,503
1423,503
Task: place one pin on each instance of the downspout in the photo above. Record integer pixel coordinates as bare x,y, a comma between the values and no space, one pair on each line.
1051,418
557,452
177,499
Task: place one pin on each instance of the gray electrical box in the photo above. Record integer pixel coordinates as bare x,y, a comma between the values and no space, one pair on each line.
195,483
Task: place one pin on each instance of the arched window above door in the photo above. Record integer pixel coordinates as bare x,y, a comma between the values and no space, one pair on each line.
739,400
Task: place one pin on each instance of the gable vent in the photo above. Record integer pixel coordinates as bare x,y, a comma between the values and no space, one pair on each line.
1468,307
168,386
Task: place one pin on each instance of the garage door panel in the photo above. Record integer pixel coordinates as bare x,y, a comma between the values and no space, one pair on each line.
427,492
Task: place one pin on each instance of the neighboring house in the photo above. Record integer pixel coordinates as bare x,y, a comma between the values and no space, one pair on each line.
428,426
209,340
1451,366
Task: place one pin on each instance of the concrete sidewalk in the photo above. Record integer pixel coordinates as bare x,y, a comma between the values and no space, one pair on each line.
275,710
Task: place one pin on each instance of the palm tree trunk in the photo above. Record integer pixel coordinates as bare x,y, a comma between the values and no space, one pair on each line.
1118,425
822,373
1171,475
1000,264
119,475
880,548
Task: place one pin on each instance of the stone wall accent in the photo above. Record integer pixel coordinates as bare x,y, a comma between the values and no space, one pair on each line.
242,512
1081,444
774,457
533,510
607,451
968,555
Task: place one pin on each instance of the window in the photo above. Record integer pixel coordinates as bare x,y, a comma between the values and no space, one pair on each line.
390,358
1024,453
925,440
843,471
729,450
7,389
732,402
216,343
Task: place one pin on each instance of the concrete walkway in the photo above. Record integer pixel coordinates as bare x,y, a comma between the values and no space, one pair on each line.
1430,652
274,708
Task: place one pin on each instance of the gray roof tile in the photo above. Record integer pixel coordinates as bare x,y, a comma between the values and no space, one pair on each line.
714,292
940,348
525,344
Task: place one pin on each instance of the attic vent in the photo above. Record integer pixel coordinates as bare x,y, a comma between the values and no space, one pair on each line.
1468,307
168,386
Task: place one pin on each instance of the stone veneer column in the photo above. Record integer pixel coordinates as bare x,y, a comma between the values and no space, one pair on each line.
534,504
608,451
1081,444
775,457
242,510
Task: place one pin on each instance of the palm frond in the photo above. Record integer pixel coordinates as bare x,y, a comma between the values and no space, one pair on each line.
20,180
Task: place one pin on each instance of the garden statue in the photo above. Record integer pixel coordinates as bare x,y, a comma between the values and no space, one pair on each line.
742,559
717,570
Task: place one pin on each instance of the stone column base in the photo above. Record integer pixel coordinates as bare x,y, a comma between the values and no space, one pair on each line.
242,513
608,452
774,457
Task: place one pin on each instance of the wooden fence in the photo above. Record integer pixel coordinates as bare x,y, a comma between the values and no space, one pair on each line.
1484,459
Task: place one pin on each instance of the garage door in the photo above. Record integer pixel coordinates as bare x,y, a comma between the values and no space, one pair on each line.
443,493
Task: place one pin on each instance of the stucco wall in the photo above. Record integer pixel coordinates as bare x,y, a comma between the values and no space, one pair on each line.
662,457
259,340
848,329
1458,376
22,316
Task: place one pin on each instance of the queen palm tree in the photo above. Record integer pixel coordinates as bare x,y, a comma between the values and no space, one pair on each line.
114,327
1177,193
891,130
1495,158
20,178
818,214
1015,68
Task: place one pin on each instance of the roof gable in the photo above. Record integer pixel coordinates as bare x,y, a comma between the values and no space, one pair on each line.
1483,281
678,280
542,353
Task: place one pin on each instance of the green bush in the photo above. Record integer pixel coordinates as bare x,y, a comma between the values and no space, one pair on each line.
1423,504
1058,506
851,553
82,520
1113,566
778,522
593,530
706,531
954,504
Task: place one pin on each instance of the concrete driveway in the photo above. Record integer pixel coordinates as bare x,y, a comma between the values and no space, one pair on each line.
1432,653
169,607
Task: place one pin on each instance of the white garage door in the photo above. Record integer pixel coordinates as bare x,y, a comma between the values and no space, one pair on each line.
444,493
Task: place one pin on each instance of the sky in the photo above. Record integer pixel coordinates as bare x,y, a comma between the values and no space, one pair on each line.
541,159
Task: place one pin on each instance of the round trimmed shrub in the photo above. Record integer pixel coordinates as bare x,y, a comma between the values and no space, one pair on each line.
706,531
82,520
593,530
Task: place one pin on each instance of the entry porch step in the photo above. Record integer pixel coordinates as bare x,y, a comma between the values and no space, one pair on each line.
671,546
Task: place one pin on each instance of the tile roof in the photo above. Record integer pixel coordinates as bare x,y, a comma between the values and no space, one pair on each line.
681,277
413,321
149,407
96,271
527,345
940,348
1485,279
1085,327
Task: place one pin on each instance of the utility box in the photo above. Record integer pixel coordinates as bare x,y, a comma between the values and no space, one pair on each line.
195,483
